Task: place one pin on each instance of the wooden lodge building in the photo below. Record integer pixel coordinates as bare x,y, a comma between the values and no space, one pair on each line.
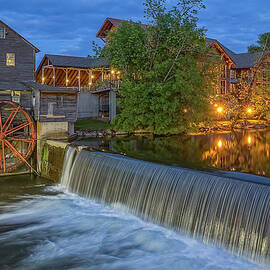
65,88
93,78
53,108
96,81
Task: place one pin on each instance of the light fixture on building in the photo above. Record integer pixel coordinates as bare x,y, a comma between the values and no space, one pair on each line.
249,110
219,143
219,109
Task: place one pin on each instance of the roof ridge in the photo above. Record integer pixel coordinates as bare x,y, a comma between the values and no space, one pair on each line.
24,39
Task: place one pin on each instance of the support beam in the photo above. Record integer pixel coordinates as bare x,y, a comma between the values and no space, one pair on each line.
42,76
66,77
54,80
79,79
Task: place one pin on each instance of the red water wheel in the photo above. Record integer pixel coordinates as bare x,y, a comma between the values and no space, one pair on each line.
17,136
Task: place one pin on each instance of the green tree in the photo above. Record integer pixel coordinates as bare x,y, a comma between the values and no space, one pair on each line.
263,43
166,81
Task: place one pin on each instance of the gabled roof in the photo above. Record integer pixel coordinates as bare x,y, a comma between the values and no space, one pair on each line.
26,41
109,23
248,60
77,62
229,53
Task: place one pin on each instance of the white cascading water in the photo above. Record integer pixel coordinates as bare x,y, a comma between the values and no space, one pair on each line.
221,211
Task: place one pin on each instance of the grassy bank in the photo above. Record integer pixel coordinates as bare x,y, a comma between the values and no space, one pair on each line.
91,124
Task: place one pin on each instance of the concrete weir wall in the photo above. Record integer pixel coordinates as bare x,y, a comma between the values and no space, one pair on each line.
50,159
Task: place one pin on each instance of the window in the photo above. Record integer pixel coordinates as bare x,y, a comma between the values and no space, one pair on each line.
16,96
233,75
2,33
223,71
222,89
59,101
10,59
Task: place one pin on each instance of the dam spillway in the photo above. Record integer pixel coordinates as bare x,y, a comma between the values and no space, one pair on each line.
220,211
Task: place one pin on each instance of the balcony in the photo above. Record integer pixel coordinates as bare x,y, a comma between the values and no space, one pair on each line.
102,86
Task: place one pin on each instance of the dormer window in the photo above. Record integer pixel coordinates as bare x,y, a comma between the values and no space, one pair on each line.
2,33
10,59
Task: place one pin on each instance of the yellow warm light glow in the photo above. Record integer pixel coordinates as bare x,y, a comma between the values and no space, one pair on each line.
67,80
93,76
185,110
219,109
112,71
249,140
219,143
216,105
43,78
249,110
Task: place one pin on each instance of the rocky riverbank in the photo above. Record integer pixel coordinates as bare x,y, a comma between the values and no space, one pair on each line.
224,126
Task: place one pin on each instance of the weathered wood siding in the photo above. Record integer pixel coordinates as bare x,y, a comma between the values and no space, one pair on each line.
55,107
24,68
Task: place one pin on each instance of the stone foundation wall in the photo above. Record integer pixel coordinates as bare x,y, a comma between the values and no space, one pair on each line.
50,159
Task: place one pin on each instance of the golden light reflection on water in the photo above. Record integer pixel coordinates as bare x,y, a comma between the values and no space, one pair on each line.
249,152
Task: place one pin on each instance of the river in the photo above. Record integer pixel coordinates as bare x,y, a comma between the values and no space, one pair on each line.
44,227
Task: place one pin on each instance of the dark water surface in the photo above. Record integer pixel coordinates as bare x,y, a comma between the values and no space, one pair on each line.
42,227
247,151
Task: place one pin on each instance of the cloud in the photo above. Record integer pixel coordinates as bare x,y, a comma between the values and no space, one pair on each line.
69,26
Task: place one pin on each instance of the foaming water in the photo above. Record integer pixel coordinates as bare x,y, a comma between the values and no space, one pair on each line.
55,230
224,212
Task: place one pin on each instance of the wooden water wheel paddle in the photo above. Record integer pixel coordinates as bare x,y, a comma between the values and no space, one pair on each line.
17,136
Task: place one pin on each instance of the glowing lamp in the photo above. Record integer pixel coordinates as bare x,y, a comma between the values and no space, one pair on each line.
216,105
249,110
219,143
219,109
185,110
249,140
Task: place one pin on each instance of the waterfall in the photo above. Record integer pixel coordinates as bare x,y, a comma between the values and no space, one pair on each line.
220,211
67,165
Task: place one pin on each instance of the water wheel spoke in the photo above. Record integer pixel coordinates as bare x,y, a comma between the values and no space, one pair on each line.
10,119
1,126
10,131
3,166
18,155
17,137
20,139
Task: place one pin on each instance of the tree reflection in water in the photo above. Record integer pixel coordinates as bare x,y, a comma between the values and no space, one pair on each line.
247,151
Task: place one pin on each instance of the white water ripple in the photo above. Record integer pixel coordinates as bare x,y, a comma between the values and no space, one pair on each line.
64,231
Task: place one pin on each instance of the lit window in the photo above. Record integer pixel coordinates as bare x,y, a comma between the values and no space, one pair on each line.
223,87
10,59
2,33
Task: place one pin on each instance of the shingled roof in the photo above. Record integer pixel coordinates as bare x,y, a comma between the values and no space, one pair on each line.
248,60
109,23
76,62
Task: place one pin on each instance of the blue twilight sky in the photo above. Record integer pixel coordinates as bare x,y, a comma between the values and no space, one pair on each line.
67,26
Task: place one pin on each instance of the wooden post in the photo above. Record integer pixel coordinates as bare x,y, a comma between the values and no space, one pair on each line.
66,77
54,79
79,79
42,79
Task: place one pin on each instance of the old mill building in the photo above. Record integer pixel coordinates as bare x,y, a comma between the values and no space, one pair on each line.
66,87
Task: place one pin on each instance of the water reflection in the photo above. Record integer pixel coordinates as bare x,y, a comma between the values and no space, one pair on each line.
247,151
